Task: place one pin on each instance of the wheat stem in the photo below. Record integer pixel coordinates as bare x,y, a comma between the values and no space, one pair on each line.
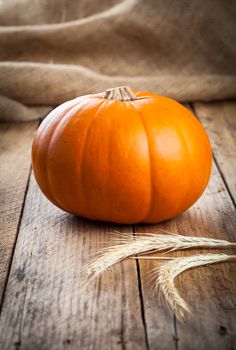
152,257
127,245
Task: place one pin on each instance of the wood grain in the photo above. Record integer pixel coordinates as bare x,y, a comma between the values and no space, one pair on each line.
46,308
219,118
15,145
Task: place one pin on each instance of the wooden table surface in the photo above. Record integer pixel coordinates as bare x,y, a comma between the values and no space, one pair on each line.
42,250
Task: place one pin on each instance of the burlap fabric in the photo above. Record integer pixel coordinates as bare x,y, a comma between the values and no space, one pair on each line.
54,50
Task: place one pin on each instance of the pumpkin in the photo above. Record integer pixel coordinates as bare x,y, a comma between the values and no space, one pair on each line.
121,156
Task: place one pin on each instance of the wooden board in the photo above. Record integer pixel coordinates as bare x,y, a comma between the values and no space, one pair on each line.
45,307
15,143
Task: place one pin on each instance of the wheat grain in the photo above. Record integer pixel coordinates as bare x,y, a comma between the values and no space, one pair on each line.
127,245
167,272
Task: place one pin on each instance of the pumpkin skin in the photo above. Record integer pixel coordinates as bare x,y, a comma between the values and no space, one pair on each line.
146,159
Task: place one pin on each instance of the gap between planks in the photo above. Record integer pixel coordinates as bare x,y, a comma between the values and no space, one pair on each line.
141,297
15,162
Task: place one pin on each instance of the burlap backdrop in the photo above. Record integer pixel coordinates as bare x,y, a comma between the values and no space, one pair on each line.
55,50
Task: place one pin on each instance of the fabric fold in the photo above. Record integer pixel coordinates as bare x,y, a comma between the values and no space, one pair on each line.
64,49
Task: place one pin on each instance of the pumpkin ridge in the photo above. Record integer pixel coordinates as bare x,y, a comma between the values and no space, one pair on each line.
62,119
187,150
109,177
180,133
150,162
52,195
101,104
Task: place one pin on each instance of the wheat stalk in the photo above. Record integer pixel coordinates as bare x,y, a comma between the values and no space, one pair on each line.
146,257
167,272
127,246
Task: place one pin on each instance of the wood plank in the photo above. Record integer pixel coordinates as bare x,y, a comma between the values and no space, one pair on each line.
15,145
211,291
219,118
46,308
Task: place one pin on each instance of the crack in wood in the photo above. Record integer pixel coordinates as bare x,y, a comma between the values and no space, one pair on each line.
175,337
141,298
15,242
224,180
19,341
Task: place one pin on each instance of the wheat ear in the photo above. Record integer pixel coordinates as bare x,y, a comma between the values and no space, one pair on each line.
127,245
167,272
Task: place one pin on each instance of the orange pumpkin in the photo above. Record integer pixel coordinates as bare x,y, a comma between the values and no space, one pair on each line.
122,157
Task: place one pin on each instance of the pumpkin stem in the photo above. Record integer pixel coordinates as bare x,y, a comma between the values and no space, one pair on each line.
121,93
